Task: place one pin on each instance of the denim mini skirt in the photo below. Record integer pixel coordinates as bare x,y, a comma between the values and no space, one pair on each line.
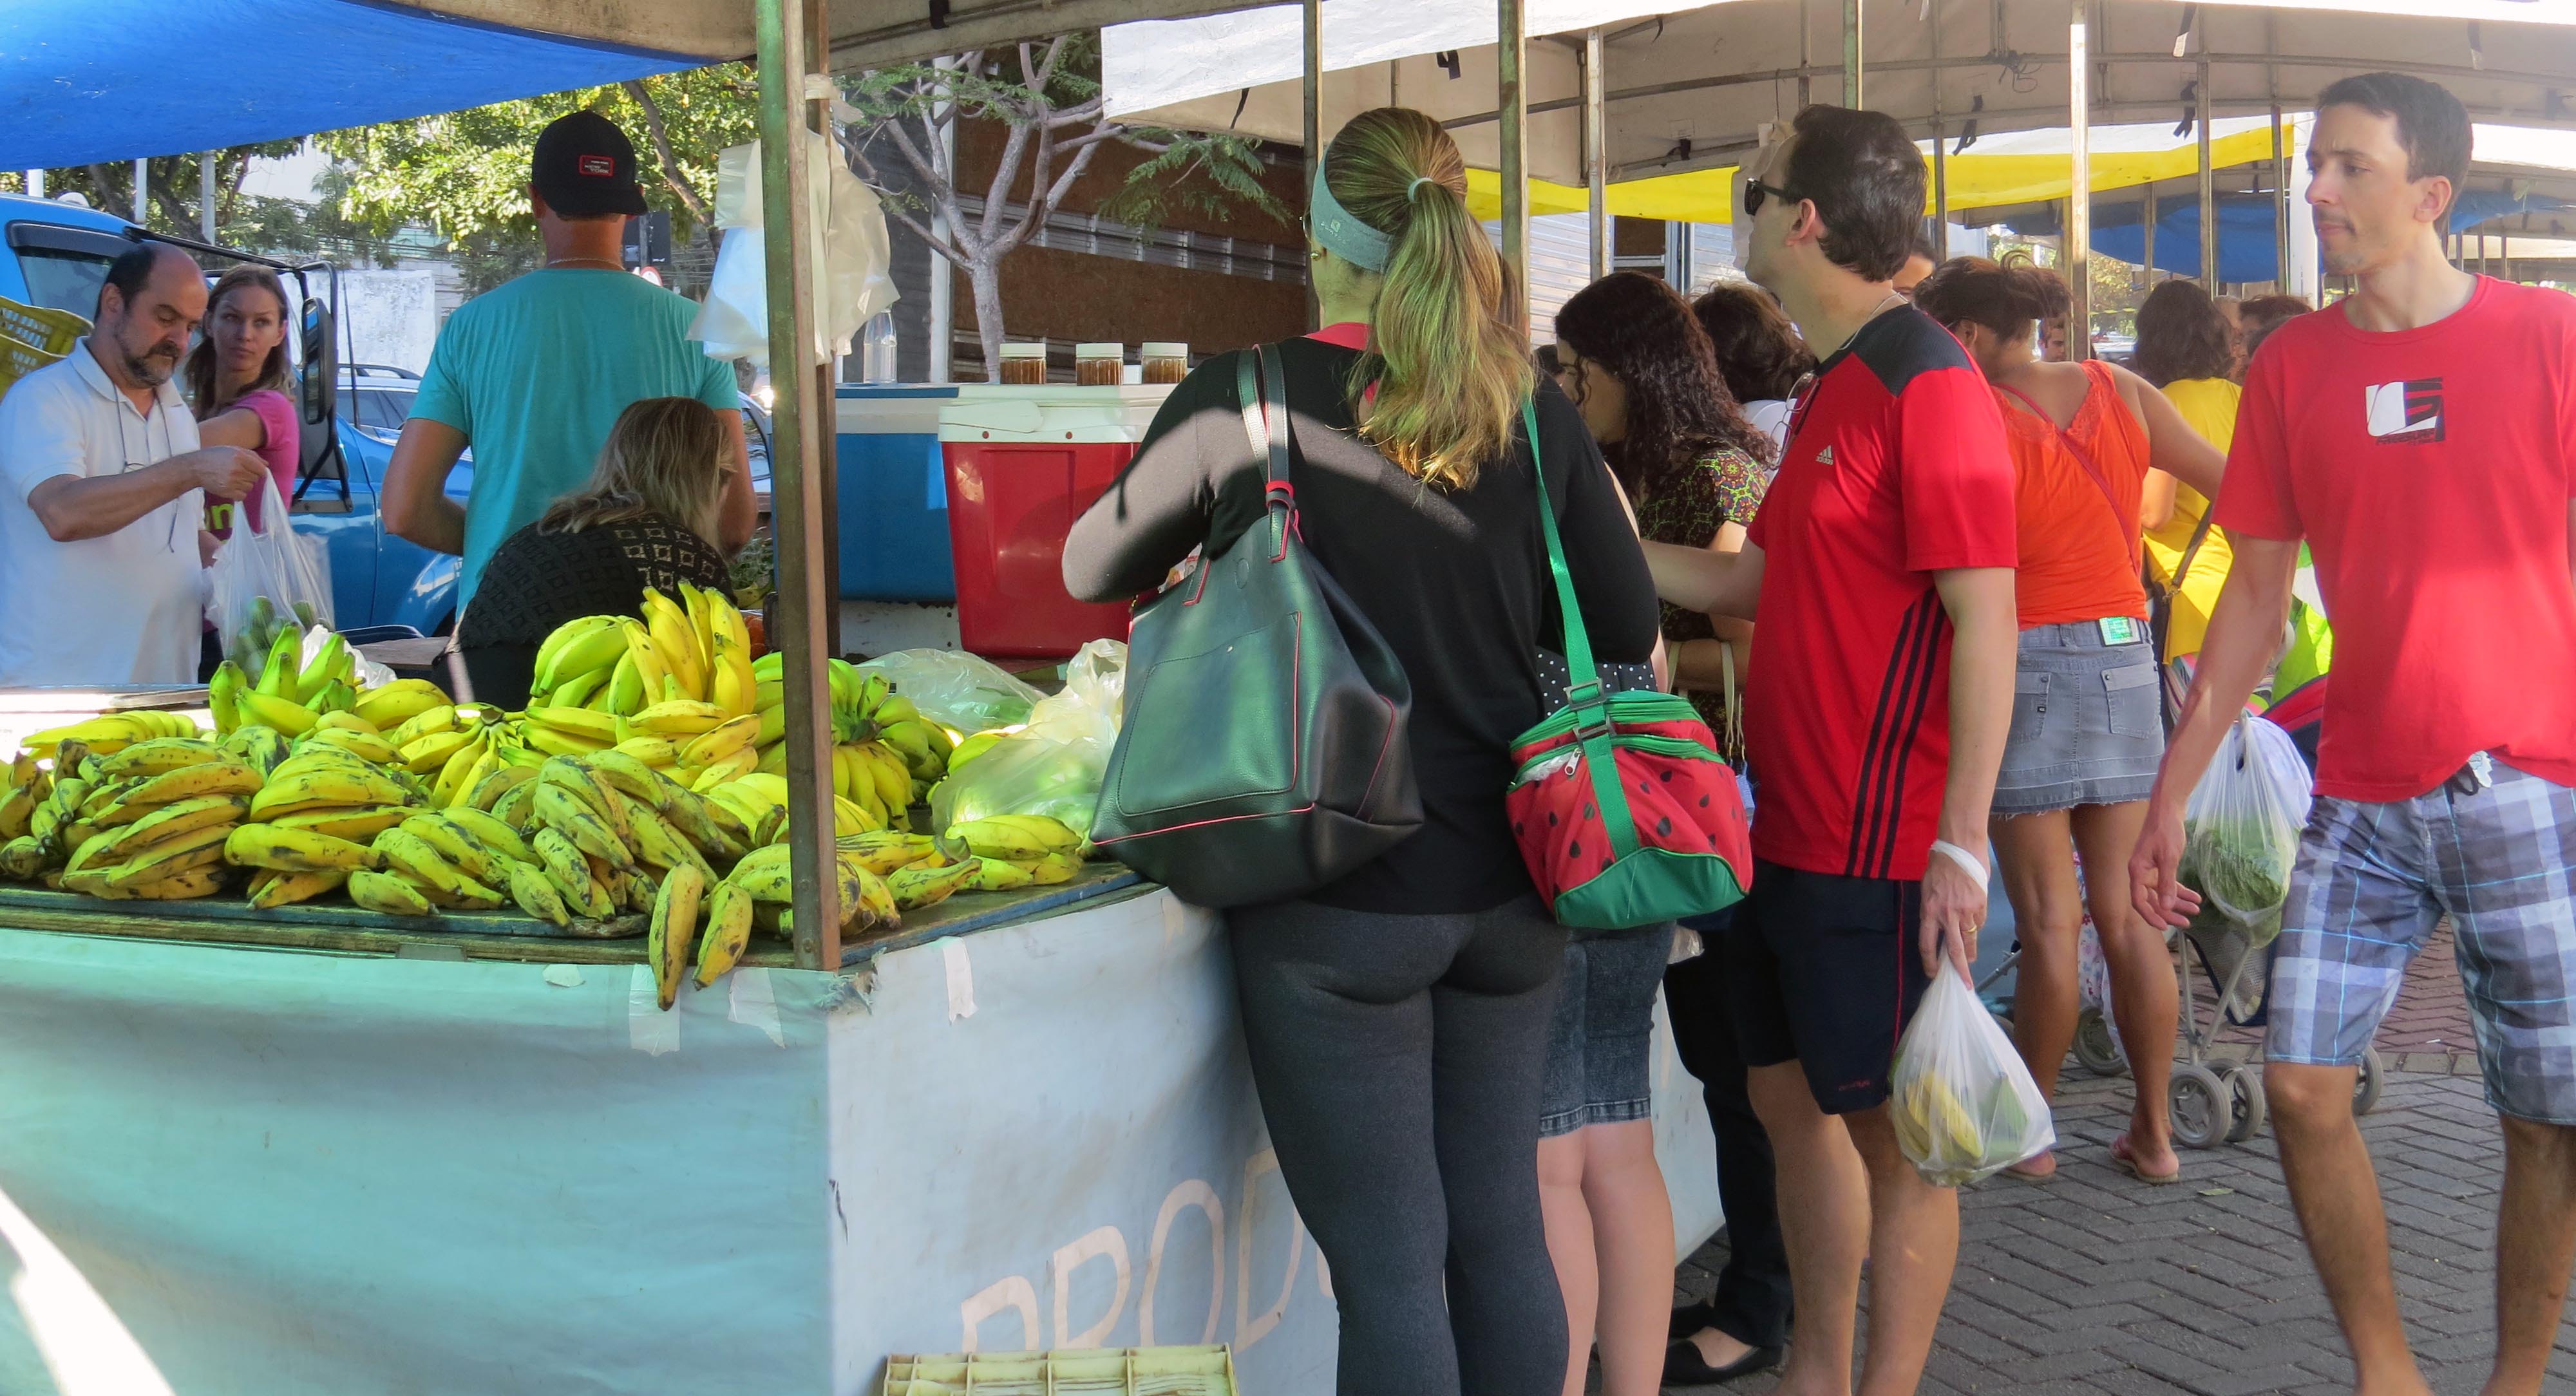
2087,722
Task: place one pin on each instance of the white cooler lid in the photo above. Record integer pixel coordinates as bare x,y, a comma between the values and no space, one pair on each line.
1051,412
908,411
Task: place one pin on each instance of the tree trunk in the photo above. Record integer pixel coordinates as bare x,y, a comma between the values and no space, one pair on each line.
984,274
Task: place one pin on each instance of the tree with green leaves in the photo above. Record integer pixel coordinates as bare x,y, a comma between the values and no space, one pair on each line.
1048,101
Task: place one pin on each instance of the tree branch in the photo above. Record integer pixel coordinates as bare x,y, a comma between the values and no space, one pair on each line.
671,174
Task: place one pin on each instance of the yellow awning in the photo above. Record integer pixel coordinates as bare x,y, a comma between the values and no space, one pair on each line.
1976,181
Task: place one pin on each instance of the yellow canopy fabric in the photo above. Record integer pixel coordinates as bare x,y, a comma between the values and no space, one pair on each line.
1976,181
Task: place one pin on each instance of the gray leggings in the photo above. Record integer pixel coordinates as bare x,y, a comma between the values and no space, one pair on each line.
1398,1059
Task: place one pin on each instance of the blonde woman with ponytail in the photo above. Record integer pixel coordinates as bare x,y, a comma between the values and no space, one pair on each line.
1398,1019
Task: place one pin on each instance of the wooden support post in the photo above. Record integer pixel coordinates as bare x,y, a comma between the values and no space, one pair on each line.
2078,227
1511,64
1596,145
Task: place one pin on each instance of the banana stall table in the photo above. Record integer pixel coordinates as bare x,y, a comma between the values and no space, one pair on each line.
316,1150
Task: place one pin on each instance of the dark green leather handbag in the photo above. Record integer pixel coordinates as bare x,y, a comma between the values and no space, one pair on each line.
1264,750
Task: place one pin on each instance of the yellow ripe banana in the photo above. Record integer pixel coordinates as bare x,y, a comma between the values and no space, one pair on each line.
384,892
849,818
678,717
221,777
1057,835
265,710
634,778
461,892
894,780
576,722
727,935
366,746
706,825
675,642
995,875
991,838
674,926
1053,869
416,858
517,805
478,759
260,748
577,648
157,756
773,728
661,846
918,887
429,721
108,795
578,690
296,850
727,737
182,817
586,786
390,706
737,810
495,836
888,852
730,768
203,880
773,760
649,670
766,874
197,848
17,810
273,889
624,691
458,848
494,784
634,891
22,858
656,752
348,721
356,823
562,811
431,753
327,786
555,741
535,893
569,873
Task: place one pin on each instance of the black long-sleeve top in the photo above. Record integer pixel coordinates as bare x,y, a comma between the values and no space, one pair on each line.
1456,581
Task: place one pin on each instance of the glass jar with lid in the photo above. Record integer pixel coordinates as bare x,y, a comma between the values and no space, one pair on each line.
1024,363
1165,361
1098,365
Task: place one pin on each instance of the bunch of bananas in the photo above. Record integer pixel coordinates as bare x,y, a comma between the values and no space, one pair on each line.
24,784
313,821
109,733
289,695
697,648
1035,849
885,754
151,820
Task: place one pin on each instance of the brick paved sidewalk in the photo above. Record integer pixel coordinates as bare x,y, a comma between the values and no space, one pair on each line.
2094,1283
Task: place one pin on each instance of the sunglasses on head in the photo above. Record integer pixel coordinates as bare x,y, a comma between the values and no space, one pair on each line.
1755,192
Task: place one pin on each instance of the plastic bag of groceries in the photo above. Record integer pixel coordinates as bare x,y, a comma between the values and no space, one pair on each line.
1964,1105
957,690
264,580
2240,830
1053,766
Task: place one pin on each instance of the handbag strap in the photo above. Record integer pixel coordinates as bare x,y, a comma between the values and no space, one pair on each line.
1734,733
2085,459
1261,390
1584,694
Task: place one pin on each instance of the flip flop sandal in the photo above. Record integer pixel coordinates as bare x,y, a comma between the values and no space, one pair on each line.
2128,1164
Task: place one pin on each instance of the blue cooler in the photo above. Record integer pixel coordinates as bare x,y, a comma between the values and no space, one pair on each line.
893,493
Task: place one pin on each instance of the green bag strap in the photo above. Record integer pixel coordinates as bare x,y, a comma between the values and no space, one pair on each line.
1583,692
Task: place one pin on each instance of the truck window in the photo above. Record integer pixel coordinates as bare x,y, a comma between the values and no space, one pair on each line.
63,280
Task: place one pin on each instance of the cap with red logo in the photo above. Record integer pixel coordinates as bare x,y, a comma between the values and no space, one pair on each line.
584,167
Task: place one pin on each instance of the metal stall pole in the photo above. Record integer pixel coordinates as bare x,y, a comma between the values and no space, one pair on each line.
1806,56
2504,246
2208,175
2147,229
142,203
1511,66
1940,159
788,51
35,184
206,197
2078,227
2280,204
1596,144
1851,53
1314,129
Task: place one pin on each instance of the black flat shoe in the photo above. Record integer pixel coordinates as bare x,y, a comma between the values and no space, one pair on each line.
1683,1366
1691,1318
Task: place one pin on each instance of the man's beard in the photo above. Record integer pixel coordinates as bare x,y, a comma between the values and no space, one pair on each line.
151,369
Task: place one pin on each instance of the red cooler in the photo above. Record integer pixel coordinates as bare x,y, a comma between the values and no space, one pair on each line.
1023,462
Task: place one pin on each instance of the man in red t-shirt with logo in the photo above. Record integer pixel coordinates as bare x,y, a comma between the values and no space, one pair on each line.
2421,437
1879,576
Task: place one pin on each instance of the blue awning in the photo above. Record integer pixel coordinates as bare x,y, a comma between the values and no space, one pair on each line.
105,80
2247,250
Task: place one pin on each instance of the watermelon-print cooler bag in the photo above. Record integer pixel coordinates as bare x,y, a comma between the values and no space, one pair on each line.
1621,805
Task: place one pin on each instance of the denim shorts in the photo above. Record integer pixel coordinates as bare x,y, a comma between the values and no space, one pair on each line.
2495,849
1598,1049
2088,724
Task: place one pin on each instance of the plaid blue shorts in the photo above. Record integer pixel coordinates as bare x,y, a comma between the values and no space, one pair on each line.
2495,849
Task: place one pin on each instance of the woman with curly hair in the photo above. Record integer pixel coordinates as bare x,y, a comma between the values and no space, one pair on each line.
1758,351
1639,367
2187,349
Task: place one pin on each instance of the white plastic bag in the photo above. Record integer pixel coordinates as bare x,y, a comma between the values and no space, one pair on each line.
2240,830
1054,765
852,255
1964,1105
957,690
265,579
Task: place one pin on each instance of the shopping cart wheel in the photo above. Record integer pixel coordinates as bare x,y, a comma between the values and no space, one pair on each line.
2097,1047
2202,1107
2246,1109
2374,1075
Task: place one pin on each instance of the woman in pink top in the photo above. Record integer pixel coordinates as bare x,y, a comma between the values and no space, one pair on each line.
238,383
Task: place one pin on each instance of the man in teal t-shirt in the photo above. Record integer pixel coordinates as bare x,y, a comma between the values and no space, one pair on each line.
531,376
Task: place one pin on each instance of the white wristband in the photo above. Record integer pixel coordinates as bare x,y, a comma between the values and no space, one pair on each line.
1974,866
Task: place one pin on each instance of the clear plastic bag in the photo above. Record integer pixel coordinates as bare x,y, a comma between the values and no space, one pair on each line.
957,690
1964,1106
1054,765
265,579
2240,831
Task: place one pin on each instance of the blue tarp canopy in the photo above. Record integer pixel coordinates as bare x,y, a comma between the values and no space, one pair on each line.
85,81
2247,250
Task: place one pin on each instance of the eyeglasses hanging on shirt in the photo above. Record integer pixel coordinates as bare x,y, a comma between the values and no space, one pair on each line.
126,450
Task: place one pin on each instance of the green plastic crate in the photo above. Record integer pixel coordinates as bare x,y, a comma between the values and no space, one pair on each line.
1156,1371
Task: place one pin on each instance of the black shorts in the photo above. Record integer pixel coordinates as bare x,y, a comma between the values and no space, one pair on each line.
1825,971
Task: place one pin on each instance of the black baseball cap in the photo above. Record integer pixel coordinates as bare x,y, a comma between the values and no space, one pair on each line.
585,167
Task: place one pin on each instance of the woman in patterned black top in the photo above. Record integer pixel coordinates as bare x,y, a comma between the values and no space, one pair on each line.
646,519
1646,377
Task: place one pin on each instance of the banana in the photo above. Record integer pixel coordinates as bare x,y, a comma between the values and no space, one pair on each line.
702,823
223,696
202,880
440,717
721,741
268,710
17,809
495,836
366,746
586,784
1055,833
674,925
656,752
660,845
678,717
773,760
773,727
578,690
569,872
516,805
582,723
273,889
561,811
557,742
995,875
356,823
494,784
331,663
262,749
675,642
390,706
418,859
428,755
22,858
648,664
991,838
536,895
324,785
918,887
624,691
220,777
884,853
158,756
384,892
849,818
740,764
277,675
727,934
894,779
635,891
470,764
297,850
732,811
973,747
1054,868
765,874
577,648
104,735
197,848
770,667
336,697
184,816
345,721
458,848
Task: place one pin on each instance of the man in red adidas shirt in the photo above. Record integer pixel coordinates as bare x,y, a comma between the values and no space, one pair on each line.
2421,436
1879,577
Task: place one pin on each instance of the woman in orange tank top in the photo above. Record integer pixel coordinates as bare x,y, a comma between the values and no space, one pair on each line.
2088,719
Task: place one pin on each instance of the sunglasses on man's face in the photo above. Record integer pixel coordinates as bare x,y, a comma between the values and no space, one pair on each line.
1755,192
